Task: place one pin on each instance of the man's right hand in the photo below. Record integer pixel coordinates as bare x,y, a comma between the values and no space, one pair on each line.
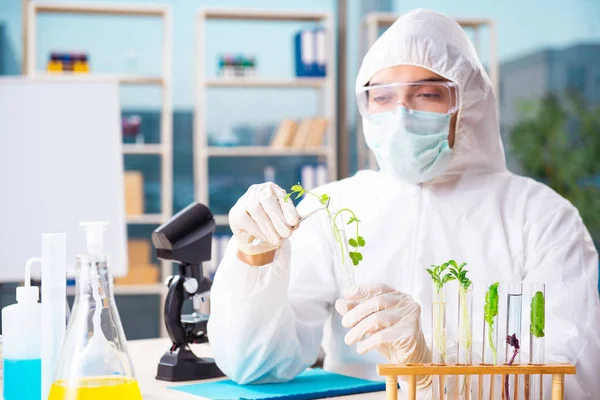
261,213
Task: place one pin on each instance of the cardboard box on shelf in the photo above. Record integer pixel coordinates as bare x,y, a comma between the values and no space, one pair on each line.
134,193
140,251
140,275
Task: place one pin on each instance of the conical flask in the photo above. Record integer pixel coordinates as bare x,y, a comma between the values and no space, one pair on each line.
94,363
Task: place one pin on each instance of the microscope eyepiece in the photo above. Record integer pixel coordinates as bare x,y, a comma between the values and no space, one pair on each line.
186,237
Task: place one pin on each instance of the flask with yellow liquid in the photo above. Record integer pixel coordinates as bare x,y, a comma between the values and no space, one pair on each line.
94,363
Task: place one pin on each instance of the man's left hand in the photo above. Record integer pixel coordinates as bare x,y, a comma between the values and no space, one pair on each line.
382,318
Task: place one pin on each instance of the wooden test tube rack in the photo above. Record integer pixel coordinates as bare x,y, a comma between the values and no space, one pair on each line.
391,372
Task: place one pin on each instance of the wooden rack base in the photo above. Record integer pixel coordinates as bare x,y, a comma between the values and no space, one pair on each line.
391,372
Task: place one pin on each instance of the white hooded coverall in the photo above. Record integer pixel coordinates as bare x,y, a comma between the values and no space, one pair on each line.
267,323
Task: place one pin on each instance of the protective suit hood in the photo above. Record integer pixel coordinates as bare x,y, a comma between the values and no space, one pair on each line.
430,40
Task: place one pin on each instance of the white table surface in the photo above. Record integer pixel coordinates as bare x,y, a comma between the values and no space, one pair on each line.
147,353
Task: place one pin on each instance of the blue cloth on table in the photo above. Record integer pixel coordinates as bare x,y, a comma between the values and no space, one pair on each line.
311,384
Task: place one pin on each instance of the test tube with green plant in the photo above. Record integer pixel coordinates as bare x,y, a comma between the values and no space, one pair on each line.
348,258
490,325
465,322
537,328
489,353
440,276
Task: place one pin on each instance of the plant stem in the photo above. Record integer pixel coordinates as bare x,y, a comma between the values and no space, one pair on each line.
439,334
353,215
491,342
466,335
506,387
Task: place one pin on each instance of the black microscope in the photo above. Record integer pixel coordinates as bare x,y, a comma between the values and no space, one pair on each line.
186,240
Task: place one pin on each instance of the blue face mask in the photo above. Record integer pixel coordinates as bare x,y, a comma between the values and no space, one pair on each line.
412,145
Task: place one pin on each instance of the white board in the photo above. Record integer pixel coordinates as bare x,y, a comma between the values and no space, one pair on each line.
60,163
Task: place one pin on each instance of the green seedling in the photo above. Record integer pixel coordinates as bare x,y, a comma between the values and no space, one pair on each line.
490,312
459,273
356,242
440,277
537,315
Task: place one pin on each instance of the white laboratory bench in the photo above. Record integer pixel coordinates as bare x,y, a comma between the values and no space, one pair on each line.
146,354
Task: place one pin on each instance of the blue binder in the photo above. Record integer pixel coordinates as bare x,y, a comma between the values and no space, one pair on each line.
310,53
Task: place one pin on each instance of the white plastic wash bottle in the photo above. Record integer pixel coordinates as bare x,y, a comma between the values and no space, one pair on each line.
21,342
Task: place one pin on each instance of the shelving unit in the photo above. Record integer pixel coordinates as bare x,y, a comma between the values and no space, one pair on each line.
203,152
164,149
370,26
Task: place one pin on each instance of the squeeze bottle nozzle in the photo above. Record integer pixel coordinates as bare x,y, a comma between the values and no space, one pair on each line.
28,293
94,235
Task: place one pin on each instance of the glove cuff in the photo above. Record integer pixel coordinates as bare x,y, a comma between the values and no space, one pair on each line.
420,355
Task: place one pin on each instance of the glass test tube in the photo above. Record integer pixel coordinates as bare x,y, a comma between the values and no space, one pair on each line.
537,333
342,254
513,322
513,327
439,339
491,388
465,337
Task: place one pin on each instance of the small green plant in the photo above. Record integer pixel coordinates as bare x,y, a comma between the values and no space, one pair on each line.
440,277
490,312
459,273
537,315
356,242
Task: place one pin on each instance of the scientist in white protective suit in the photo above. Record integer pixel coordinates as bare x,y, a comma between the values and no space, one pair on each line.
443,192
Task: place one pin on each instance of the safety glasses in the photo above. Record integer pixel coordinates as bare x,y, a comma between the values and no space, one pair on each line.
435,97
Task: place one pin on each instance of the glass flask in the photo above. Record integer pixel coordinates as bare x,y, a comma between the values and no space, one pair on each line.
94,363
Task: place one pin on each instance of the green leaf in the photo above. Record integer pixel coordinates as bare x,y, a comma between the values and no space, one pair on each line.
297,188
430,272
491,304
355,261
361,241
352,219
286,197
353,242
537,315
324,199
359,256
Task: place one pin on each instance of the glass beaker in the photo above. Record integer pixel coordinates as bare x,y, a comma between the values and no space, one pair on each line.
94,362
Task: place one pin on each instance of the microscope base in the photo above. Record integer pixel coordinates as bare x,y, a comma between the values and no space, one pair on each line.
183,365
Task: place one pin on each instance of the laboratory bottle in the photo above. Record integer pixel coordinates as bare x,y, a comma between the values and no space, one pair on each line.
94,363
21,343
